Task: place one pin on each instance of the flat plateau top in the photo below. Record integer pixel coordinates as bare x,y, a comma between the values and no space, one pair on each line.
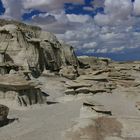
15,82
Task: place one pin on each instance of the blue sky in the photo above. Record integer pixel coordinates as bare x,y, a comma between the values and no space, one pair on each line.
94,27
70,8
2,9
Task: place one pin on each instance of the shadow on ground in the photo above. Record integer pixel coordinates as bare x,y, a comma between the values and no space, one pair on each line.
8,121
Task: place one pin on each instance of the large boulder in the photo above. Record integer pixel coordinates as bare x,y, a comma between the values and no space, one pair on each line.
94,62
69,72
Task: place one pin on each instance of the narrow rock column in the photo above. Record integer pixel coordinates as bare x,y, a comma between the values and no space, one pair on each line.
1,57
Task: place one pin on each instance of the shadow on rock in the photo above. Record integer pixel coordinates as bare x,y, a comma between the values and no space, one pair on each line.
51,103
7,121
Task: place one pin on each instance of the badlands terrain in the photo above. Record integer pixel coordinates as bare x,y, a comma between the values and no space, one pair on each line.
48,93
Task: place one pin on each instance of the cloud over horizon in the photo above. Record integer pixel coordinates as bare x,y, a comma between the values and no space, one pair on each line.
91,26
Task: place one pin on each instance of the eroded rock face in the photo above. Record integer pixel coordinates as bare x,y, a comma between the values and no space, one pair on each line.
94,62
4,110
15,88
69,72
17,47
69,55
52,51
32,49
56,54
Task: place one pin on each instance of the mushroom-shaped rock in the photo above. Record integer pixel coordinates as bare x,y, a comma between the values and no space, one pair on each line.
16,88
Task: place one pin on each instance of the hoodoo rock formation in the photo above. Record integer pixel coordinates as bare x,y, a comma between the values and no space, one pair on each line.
14,87
25,52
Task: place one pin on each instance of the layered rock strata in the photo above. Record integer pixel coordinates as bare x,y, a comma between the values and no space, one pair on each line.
16,88
33,50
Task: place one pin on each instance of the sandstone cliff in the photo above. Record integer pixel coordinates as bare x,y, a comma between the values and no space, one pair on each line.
33,50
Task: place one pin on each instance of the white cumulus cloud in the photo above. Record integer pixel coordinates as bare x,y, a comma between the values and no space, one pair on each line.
115,12
115,31
137,7
78,18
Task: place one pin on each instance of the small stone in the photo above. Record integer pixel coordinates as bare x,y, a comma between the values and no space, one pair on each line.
70,91
83,90
78,85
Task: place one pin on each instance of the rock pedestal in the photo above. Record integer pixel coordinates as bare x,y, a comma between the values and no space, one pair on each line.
16,88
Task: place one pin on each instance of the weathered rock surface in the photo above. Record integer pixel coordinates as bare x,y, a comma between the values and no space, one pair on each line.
118,110
107,91
4,110
98,108
70,92
33,50
138,105
95,63
56,55
69,72
17,47
77,85
24,27
16,88
120,76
